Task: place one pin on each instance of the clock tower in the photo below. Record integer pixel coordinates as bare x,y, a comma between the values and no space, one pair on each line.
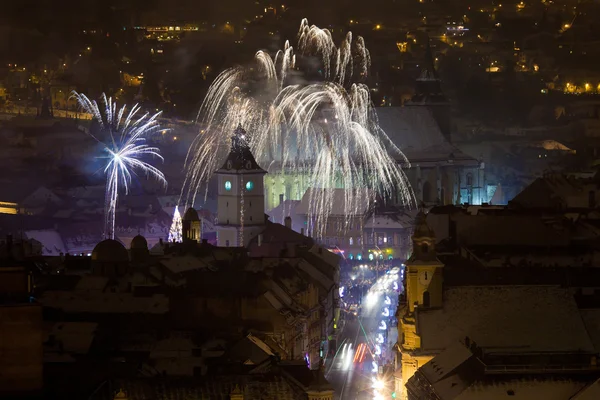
241,200
424,270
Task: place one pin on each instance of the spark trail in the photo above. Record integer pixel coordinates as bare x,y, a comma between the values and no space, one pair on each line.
126,132
325,129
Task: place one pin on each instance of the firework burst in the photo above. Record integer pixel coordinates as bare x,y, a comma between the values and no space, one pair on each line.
126,133
326,130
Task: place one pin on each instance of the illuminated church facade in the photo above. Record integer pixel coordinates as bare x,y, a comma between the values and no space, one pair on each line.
438,171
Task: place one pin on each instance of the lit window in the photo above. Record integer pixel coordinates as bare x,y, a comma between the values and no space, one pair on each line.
390,257
227,185
359,256
371,256
351,241
351,256
249,185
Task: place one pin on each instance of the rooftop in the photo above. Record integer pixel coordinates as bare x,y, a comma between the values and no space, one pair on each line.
505,319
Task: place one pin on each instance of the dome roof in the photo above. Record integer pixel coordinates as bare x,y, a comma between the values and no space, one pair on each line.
139,242
191,215
110,250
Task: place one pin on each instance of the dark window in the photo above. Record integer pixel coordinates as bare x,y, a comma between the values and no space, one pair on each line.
424,248
426,299
592,199
469,179
427,192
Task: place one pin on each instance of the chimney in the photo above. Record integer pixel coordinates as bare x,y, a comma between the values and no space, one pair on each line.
260,239
302,231
288,222
281,198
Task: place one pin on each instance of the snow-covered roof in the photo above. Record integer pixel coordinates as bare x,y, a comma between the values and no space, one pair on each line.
387,222
523,390
416,133
338,199
411,128
590,392
506,318
51,240
186,262
449,373
106,303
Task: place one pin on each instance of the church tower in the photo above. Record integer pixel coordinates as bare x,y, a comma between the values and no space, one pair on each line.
423,290
428,93
241,199
424,270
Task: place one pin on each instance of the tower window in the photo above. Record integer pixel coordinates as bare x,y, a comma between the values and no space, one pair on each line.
424,248
249,185
351,241
359,256
350,256
371,256
469,179
228,185
426,299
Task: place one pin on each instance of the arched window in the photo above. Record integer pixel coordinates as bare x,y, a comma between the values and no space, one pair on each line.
351,241
351,256
371,256
469,179
426,299
359,256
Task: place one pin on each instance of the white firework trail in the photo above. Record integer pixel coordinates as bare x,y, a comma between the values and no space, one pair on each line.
127,132
326,130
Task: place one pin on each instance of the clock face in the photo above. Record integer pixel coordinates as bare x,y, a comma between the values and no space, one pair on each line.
228,185
249,185
425,278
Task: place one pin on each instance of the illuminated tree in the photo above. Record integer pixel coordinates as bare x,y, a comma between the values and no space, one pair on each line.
175,233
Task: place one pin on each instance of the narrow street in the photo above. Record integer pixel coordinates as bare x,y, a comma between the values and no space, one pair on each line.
365,345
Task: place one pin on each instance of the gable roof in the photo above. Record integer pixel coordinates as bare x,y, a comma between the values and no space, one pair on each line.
506,318
416,133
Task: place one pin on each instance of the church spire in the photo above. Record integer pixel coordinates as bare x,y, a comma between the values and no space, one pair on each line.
429,84
428,71
239,140
423,240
